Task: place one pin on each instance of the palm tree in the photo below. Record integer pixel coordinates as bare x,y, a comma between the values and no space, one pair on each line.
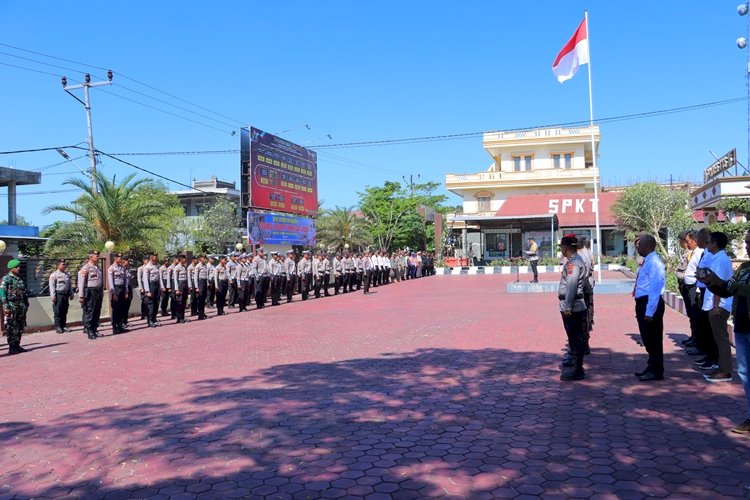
122,212
341,226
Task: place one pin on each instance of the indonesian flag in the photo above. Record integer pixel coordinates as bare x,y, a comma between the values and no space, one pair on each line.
572,55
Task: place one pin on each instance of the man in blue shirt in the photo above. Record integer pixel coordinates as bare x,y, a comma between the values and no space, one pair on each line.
649,307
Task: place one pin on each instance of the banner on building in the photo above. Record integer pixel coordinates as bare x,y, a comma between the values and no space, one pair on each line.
279,229
277,175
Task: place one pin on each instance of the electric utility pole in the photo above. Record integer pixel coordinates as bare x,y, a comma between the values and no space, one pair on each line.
87,104
410,182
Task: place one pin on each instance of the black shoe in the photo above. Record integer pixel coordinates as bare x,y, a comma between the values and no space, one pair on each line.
567,376
709,366
66,329
650,377
688,342
92,336
640,374
59,330
699,362
692,351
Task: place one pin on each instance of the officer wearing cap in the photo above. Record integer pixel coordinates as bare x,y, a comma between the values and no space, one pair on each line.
243,279
151,286
164,292
221,284
118,293
304,271
573,307
140,281
210,268
200,280
90,294
182,288
61,291
129,289
232,292
260,271
15,303
290,269
275,267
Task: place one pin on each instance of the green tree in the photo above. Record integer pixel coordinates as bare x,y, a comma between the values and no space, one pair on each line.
735,231
125,212
340,226
218,228
20,221
392,213
649,207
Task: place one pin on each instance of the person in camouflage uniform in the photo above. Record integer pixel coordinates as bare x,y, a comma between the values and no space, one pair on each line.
15,304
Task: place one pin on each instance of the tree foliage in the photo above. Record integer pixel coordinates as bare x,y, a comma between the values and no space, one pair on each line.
218,228
649,207
392,213
341,226
133,213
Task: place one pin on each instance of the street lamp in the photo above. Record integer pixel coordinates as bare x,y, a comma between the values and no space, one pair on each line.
109,245
3,246
742,10
239,247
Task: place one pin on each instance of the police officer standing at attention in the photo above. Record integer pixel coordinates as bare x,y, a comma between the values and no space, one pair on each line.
90,294
532,254
192,285
164,271
182,288
243,279
210,267
232,274
260,269
290,267
572,306
15,303
318,270
151,286
118,293
200,279
140,282
338,274
304,270
61,291
367,271
221,283
275,268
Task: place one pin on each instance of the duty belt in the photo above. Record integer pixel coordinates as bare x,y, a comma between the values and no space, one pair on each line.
563,297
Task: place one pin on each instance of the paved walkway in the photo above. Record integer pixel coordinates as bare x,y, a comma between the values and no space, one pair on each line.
445,386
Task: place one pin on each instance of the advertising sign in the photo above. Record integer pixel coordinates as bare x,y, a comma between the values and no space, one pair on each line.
279,229
721,165
276,174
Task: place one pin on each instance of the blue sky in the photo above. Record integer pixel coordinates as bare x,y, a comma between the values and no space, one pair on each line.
367,71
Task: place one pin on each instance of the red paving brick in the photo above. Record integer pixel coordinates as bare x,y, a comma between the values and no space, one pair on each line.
441,386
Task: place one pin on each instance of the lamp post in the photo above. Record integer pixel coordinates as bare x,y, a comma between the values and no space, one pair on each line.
742,10
109,245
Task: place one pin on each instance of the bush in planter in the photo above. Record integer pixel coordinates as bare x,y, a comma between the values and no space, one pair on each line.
500,262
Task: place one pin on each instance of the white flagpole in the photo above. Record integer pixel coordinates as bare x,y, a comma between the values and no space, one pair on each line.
598,236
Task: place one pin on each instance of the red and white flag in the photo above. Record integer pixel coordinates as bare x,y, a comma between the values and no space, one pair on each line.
573,54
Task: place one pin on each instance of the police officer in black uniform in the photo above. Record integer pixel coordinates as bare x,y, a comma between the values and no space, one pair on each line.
573,307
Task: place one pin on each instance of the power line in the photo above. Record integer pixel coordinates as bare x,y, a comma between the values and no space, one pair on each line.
36,150
122,75
36,193
150,172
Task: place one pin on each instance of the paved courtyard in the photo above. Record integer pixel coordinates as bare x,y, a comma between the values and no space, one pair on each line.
444,386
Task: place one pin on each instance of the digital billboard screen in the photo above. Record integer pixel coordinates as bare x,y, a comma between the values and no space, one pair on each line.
279,229
277,175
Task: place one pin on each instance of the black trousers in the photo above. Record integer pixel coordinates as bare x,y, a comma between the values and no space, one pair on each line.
232,293
221,296
275,289
144,305
164,301
345,281
261,284
152,303
575,330
211,293
60,308
704,339
318,286
242,295
92,308
200,298
291,281
533,264
688,293
117,305
337,279
305,284
326,283
652,334
181,300
193,302
367,278
359,279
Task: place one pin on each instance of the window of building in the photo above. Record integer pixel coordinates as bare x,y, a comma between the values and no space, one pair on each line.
563,160
484,203
522,163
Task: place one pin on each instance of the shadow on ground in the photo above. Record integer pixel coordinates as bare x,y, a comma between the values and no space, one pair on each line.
487,423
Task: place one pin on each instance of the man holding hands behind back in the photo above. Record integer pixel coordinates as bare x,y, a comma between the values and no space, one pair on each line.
649,307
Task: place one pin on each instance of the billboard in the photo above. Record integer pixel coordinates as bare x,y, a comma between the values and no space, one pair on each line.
276,174
279,229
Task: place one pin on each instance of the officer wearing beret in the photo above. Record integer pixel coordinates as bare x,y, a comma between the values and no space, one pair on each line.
573,307
15,304
61,291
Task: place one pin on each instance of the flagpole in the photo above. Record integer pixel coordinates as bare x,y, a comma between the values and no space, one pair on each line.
598,236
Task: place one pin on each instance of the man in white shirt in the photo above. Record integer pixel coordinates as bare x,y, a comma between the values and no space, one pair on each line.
719,308
704,340
688,286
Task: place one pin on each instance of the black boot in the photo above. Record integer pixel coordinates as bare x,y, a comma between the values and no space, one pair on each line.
575,372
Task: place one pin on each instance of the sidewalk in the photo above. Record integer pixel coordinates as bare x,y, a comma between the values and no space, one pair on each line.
432,388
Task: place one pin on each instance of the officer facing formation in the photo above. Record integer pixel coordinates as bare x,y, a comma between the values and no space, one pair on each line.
90,294
61,291
572,307
15,304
